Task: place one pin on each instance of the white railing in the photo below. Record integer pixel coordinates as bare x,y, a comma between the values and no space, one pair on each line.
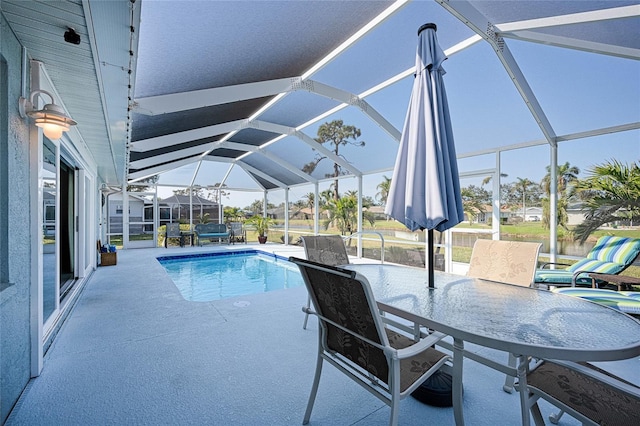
348,237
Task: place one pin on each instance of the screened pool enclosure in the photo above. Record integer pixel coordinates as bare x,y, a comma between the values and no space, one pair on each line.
237,121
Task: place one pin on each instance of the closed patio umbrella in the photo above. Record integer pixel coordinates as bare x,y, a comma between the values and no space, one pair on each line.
425,189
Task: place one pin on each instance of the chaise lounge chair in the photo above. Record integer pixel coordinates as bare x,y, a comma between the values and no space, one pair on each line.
624,301
610,255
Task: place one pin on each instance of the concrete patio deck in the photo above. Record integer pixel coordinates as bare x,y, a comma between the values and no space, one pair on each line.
133,351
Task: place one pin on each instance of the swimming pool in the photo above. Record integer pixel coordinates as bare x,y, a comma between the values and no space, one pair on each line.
214,276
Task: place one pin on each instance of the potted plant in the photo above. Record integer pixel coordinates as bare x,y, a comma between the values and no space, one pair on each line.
261,224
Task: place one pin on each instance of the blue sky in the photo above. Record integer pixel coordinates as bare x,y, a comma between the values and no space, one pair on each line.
578,92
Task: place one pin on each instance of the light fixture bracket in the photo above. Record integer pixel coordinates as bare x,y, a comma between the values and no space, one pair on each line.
51,118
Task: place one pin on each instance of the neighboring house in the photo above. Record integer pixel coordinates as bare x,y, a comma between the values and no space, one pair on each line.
171,209
575,214
305,213
378,212
49,216
532,214
176,208
140,210
277,212
484,216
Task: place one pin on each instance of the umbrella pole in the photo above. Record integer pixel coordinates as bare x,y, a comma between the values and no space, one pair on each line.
437,389
430,257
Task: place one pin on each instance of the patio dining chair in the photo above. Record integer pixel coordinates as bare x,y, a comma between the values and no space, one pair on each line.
585,392
238,233
173,231
508,262
325,249
610,255
356,339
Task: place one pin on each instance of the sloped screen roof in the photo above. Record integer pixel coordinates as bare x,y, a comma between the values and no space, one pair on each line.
229,83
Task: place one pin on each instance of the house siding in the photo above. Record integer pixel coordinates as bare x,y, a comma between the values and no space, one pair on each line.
15,240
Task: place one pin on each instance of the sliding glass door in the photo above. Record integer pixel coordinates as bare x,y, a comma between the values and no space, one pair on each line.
49,185
66,203
68,227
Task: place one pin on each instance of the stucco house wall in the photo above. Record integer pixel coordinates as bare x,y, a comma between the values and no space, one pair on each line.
15,236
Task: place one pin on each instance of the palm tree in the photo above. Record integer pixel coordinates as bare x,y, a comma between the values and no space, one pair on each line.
566,176
383,189
233,213
471,204
366,203
490,178
611,192
343,213
325,197
311,200
522,186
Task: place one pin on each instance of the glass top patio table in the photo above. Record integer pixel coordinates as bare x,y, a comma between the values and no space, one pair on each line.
519,320
514,319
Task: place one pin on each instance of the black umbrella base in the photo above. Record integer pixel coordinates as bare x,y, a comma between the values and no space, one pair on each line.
435,391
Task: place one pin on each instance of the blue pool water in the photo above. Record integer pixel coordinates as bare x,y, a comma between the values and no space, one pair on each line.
214,276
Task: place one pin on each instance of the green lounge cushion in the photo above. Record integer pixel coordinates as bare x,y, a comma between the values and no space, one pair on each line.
622,301
593,265
621,250
559,276
610,255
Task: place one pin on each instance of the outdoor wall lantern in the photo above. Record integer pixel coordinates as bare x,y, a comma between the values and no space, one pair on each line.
52,118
